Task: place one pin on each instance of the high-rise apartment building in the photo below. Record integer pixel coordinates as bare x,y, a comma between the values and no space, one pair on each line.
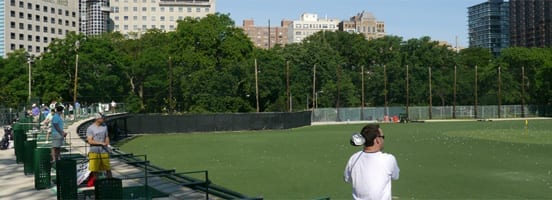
531,23
94,16
137,16
33,24
488,25
267,36
309,24
364,23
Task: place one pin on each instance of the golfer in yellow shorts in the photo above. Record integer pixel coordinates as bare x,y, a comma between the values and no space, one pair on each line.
97,137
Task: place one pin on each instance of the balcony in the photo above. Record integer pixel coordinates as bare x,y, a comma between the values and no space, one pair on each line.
204,3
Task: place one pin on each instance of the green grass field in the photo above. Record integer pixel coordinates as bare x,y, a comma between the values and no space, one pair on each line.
448,160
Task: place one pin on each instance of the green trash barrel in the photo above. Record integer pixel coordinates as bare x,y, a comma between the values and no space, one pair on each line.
66,176
19,138
42,168
108,188
28,164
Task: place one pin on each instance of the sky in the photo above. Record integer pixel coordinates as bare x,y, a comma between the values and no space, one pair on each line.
439,19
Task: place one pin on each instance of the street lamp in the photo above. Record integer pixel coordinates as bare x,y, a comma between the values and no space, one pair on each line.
29,61
77,45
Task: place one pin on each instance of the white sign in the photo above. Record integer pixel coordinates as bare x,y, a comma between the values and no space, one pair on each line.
82,171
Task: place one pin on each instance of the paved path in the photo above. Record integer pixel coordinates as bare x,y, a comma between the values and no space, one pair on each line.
14,184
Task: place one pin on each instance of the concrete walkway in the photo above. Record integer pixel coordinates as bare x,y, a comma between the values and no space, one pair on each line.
14,184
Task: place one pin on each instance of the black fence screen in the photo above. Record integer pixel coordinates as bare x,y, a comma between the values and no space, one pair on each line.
147,123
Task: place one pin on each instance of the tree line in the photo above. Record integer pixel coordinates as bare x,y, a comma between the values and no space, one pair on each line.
208,65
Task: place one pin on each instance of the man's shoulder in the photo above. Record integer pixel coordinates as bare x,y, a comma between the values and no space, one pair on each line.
388,156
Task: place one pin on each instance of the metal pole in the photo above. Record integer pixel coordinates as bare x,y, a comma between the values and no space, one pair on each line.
76,79
338,91
454,98
362,93
313,87
475,94
288,105
430,95
385,89
29,62
407,92
499,97
257,85
522,91
170,86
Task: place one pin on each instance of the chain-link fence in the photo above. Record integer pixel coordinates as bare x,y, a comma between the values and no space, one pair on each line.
423,112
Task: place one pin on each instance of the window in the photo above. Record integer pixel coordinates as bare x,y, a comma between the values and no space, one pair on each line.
52,20
162,27
198,9
135,9
171,9
60,32
66,22
12,13
153,9
37,38
52,30
29,6
21,15
298,33
29,38
30,16
116,18
38,49
207,9
162,9
60,12
135,27
45,29
144,9
73,14
45,9
29,27
21,4
305,26
73,24
125,18
12,36
162,18
12,46
135,18
21,46
189,9
171,18
144,27
21,36
180,9
12,24
67,13
21,26
53,10
37,28
30,48
45,19
125,27
125,9
45,39
116,27
37,18
144,18
12,2
152,26
60,22
152,18
171,27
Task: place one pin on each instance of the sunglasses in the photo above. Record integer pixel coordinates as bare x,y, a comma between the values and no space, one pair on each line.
381,136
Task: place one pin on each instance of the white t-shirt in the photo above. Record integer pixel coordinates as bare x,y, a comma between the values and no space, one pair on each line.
371,174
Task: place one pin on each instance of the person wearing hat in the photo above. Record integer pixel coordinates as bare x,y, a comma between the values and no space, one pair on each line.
58,135
35,111
370,171
98,138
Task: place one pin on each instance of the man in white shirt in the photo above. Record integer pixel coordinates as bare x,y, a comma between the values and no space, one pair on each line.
370,171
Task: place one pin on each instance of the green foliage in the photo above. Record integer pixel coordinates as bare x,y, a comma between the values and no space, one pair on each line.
208,65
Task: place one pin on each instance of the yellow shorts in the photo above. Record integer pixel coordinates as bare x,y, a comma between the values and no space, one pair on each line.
98,162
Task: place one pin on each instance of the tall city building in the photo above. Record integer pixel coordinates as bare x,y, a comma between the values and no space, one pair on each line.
94,16
133,17
488,25
33,24
531,23
309,24
267,36
364,23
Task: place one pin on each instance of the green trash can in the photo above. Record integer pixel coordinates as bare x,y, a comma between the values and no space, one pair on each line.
108,188
28,164
66,176
42,168
19,138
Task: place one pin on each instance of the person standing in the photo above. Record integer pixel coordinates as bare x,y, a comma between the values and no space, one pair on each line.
370,171
35,111
58,135
98,138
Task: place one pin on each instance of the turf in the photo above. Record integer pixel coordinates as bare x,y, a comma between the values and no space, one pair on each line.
460,160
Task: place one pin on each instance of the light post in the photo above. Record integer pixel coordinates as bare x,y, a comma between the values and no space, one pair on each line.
77,45
29,62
